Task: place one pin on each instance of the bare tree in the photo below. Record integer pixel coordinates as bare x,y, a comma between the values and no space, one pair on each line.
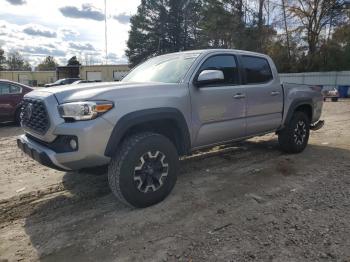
314,16
261,14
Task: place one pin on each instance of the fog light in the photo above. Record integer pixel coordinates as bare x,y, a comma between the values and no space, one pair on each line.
73,144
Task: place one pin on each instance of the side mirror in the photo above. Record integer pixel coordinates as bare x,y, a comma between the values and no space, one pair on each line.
210,77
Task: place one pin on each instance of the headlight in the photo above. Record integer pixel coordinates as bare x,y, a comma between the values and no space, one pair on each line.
84,110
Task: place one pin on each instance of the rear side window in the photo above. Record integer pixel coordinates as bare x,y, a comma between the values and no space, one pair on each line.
257,70
15,89
227,64
4,89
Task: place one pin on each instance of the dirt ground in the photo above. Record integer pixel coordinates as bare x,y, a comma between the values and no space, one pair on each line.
247,202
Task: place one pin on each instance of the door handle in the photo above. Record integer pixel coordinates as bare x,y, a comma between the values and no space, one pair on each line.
275,93
239,96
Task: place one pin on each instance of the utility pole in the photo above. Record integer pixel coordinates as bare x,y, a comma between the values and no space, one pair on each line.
286,27
106,46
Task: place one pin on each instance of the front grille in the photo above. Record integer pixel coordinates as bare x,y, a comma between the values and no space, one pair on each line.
34,115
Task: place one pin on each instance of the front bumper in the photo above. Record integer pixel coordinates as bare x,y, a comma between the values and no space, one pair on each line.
38,153
92,137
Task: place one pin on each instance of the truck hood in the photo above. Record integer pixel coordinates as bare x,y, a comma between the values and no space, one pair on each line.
89,91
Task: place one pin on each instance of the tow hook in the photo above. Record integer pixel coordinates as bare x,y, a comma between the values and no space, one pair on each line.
317,126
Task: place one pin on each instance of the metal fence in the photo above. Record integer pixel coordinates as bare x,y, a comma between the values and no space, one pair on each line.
341,78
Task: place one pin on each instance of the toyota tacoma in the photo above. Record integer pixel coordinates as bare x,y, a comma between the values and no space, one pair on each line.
166,108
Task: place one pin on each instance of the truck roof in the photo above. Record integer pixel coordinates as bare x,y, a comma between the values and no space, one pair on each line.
208,51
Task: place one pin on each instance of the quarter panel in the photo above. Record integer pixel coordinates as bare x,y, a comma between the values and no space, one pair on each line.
296,94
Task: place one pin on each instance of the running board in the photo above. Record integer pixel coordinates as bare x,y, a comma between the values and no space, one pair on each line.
317,126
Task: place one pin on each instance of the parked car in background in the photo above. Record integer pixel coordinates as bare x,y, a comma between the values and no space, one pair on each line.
11,94
85,81
64,81
333,94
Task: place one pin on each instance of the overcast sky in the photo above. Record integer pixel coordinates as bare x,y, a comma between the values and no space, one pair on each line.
63,28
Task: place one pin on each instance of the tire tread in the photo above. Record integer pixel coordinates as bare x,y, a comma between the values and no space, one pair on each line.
285,135
114,169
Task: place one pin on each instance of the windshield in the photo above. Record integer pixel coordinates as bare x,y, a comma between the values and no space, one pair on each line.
59,81
162,69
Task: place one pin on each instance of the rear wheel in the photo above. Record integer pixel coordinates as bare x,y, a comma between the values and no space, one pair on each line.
144,170
295,136
335,99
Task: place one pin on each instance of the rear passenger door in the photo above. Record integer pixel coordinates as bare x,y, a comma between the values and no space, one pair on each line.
264,95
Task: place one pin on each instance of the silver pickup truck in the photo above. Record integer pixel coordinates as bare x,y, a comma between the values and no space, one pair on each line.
167,107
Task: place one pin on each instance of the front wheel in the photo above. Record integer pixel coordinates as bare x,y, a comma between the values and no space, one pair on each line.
295,136
144,170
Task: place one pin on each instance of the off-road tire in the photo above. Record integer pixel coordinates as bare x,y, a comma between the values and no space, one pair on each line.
286,137
123,164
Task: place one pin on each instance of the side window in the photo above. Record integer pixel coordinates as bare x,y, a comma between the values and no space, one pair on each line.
14,89
227,64
257,70
4,89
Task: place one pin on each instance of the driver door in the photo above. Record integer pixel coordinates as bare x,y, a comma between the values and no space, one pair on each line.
219,109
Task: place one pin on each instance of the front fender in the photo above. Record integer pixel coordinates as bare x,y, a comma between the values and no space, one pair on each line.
143,116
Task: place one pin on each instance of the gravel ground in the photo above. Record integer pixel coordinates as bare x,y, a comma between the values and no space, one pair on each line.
245,202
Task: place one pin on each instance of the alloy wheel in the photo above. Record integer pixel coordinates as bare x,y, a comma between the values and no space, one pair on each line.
151,172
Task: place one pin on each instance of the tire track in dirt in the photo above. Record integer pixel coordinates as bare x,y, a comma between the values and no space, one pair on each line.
65,193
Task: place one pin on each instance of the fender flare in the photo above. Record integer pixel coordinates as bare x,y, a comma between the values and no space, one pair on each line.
143,116
294,105
17,109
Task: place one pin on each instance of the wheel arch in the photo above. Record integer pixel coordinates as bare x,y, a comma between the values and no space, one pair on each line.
17,111
303,105
169,122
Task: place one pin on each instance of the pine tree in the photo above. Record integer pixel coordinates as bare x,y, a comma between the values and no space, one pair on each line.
147,36
163,26
73,61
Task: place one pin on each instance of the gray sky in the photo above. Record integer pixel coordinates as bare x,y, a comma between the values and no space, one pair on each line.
63,28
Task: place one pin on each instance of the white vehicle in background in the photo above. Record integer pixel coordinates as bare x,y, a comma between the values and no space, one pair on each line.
333,94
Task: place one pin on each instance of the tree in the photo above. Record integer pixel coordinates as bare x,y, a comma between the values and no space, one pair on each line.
300,35
15,62
2,59
334,53
73,61
48,64
147,34
312,17
26,66
162,26
217,25
192,17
